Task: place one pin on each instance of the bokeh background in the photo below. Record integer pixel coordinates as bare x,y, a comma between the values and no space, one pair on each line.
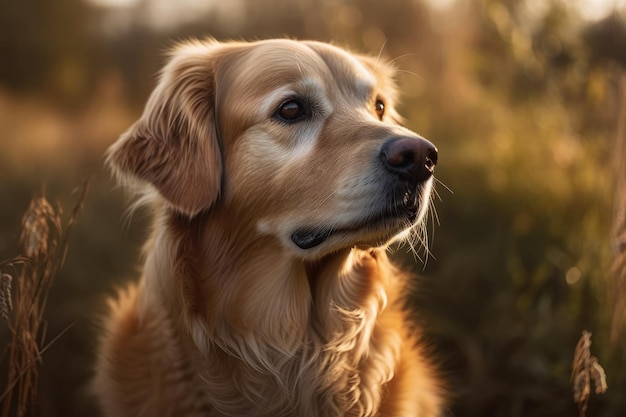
520,96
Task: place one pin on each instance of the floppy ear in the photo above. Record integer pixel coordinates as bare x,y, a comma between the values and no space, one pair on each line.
174,145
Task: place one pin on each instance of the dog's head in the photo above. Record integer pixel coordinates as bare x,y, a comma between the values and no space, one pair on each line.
295,140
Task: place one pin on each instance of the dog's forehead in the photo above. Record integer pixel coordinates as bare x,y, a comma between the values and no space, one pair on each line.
345,65
271,64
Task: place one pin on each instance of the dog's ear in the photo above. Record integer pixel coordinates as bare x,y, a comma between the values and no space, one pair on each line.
174,145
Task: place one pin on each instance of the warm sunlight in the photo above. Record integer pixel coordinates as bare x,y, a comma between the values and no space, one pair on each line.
525,101
164,13
598,9
114,3
589,9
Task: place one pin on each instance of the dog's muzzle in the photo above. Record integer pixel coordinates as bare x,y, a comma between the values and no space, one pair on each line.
411,160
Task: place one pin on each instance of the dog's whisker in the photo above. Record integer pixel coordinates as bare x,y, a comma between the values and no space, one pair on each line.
380,51
443,185
411,73
433,210
436,195
393,61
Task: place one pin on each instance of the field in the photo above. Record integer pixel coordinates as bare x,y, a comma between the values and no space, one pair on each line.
524,102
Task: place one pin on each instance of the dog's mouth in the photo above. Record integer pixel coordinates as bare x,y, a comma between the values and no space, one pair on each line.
389,221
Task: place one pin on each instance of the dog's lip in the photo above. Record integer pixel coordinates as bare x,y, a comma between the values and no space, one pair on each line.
312,236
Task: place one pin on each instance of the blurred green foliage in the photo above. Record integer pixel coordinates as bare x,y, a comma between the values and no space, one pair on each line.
521,97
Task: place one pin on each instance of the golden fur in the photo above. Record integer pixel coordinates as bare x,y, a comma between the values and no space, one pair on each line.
244,308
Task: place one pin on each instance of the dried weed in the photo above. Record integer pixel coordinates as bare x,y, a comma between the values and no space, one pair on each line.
585,371
25,282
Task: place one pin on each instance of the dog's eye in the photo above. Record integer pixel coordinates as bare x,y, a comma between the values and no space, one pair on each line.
291,111
379,107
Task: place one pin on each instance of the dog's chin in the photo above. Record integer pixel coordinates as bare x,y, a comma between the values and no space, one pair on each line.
372,230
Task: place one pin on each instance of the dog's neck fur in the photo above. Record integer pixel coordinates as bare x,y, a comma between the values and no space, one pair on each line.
318,321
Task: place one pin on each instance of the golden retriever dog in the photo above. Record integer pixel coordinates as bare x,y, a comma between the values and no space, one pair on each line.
279,174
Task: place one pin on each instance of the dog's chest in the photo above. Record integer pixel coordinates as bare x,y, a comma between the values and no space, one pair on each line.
332,380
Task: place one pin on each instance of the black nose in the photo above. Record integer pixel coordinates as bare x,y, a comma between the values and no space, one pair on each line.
411,158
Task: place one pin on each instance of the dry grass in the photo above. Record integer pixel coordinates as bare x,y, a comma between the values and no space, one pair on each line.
25,283
585,371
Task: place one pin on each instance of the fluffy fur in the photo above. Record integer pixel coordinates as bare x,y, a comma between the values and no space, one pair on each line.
236,313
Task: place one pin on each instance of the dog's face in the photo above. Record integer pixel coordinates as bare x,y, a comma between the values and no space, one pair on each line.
295,140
